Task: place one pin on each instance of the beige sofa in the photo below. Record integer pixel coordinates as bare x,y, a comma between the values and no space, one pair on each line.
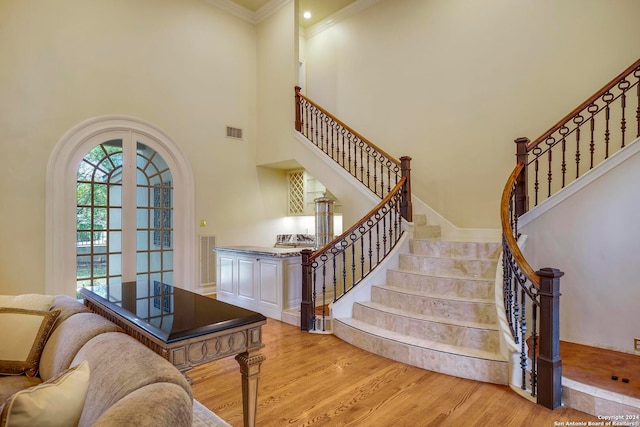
129,385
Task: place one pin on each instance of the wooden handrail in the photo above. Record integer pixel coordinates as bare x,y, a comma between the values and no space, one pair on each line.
353,132
585,104
507,231
364,219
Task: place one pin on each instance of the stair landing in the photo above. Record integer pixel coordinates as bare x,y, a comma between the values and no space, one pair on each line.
587,380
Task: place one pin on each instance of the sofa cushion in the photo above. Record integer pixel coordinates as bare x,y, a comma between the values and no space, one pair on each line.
27,301
24,333
68,307
68,338
57,402
119,366
172,406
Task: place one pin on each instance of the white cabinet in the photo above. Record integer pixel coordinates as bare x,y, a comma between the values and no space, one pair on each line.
259,281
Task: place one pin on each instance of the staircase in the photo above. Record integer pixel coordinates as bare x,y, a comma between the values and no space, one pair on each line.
436,310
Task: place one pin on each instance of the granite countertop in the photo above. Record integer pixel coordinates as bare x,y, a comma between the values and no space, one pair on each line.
264,251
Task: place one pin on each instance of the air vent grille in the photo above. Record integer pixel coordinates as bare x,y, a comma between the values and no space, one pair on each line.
207,260
235,133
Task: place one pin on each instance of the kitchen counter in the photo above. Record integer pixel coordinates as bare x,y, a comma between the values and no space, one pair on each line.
263,279
264,250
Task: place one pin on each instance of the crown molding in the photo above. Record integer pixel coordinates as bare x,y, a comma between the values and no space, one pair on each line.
270,8
341,15
243,13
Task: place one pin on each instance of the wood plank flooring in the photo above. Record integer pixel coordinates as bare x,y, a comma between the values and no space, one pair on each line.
596,366
319,380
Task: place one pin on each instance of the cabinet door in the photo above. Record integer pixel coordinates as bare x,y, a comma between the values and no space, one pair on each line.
246,278
270,283
225,275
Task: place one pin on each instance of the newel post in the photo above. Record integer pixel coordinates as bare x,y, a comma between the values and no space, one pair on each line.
522,199
406,209
306,306
298,109
549,361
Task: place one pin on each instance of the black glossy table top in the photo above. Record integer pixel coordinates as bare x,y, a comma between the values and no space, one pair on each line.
168,312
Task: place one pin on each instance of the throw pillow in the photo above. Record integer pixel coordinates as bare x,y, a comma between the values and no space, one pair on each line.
28,301
24,334
55,403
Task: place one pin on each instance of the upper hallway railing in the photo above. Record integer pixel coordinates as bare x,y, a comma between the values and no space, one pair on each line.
332,271
369,164
532,308
593,131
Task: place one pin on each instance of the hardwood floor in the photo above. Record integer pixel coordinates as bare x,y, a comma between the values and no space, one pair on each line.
319,380
596,366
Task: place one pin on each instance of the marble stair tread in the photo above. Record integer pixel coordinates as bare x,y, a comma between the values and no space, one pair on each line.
428,318
455,249
458,267
430,295
444,276
420,342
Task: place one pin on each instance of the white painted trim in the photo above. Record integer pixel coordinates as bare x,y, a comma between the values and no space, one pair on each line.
269,9
234,9
245,14
60,198
577,185
347,12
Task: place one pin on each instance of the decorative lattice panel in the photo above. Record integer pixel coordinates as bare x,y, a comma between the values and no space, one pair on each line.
296,193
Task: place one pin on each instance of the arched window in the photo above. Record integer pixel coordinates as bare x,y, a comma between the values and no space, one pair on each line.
119,207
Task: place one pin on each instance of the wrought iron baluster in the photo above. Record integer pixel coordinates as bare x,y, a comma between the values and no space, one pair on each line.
523,338
578,122
637,74
623,121
549,173
534,349
592,130
607,97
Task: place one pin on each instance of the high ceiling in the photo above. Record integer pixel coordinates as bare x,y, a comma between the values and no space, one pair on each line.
319,9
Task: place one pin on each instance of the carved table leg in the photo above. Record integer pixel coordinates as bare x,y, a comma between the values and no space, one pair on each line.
250,369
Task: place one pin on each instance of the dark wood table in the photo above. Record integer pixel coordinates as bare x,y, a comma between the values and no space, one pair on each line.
186,328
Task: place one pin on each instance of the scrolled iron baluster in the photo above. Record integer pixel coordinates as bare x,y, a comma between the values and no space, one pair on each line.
623,86
592,109
636,73
607,98
563,166
534,351
578,120
362,230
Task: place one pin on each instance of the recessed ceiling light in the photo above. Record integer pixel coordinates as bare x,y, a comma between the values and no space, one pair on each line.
307,14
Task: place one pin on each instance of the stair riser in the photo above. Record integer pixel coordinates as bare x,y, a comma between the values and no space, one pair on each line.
447,363
448,309
475,338
427,232
443,286
485,269
461,250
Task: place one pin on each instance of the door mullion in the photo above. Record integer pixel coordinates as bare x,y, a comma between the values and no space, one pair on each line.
129,209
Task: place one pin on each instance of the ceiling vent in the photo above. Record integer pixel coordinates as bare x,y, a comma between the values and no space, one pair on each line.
235,133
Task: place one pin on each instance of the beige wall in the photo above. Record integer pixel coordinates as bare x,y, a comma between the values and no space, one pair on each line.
277,76
451,83
184,66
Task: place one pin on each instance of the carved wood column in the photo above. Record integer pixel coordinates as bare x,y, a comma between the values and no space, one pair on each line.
522,198
250,362
549,361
